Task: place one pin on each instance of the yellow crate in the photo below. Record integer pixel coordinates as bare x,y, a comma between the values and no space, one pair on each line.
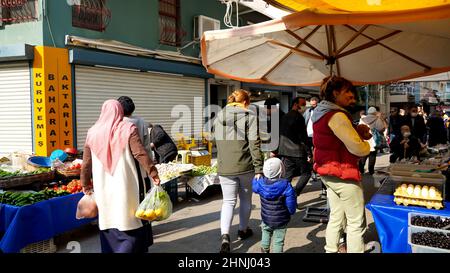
46,246
204,160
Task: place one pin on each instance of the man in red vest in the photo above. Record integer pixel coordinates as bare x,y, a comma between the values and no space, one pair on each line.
338,148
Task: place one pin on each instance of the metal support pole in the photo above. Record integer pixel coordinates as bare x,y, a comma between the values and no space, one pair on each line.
366,88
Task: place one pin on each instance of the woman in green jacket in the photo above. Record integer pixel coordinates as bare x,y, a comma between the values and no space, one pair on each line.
239,161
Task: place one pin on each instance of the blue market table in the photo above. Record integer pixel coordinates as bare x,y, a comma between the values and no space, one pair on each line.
21,226
391,220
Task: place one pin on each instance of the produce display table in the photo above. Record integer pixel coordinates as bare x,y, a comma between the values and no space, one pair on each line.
21,226
391,220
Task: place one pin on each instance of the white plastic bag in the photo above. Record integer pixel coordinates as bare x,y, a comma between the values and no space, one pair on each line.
156,205
87,207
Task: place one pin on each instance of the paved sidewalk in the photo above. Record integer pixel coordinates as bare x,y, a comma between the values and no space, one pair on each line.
194,226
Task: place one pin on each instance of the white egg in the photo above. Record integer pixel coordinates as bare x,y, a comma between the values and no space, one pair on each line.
417,191
432,192
425,192
410,190
404,186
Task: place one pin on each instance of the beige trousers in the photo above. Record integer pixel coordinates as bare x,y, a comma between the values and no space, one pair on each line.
347,212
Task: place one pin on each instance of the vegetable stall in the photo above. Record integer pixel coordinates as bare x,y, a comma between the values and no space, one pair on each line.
38,201
411,209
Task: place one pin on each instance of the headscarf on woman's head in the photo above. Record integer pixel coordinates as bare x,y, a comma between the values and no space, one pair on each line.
109,136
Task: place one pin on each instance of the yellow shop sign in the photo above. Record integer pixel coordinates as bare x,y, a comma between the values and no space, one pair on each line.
52,100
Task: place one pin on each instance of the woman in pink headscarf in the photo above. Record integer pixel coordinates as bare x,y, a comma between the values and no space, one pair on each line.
112,154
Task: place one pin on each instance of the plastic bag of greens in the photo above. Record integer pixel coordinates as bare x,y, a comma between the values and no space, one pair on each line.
156,205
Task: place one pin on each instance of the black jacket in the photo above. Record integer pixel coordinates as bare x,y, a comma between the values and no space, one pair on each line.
395,124
419,130
164,145
437,131
398,150
293,136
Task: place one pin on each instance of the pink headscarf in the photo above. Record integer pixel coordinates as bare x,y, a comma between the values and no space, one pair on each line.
110,134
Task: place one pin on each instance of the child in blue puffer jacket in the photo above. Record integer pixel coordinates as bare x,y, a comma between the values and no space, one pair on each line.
278,203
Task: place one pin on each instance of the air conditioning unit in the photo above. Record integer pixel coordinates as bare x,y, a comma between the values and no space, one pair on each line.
203,23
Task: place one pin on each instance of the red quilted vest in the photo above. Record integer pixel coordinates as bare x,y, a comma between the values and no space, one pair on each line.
331,157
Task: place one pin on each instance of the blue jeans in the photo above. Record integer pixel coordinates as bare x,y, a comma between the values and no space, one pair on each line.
278,235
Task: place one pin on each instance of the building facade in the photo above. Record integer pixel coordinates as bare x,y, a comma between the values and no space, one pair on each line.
60,60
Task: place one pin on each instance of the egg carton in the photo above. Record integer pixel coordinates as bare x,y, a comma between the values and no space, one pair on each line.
421,248
419,191
416,202
422,179
413,214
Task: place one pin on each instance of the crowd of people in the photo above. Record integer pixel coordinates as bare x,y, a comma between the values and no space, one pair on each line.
122,149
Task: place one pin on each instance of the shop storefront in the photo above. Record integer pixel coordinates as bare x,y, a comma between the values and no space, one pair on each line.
50,97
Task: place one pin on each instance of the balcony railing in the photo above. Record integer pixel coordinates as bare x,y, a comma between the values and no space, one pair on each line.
18,11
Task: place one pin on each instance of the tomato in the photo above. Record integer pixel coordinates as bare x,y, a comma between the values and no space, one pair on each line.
79,187
78,166
64,188
55,188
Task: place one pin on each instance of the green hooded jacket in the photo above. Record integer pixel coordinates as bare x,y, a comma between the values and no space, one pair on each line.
237,140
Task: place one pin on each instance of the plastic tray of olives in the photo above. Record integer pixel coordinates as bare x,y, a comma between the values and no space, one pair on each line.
425,240
430,221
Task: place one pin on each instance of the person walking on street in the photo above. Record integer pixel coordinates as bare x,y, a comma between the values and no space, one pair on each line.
395,122
310,132
377,125
293,149
128,110
308,116
111,147
437,132
278,203
142,127
417,125
338,148
239,160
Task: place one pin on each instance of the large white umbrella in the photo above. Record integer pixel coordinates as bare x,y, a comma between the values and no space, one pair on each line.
304,47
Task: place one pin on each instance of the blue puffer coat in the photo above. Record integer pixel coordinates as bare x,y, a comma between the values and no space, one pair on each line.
278,201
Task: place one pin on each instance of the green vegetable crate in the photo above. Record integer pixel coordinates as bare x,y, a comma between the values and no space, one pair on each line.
23,180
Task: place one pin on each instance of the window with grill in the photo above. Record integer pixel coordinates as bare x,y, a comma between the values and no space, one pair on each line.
17,11
91,14
170,32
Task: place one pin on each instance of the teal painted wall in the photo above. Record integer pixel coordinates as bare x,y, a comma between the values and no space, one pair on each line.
23,33
134,22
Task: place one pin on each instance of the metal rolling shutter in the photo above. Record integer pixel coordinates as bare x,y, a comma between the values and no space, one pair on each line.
153,94
15,108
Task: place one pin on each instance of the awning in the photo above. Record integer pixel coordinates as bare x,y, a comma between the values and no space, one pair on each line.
127,49
302,48
325,6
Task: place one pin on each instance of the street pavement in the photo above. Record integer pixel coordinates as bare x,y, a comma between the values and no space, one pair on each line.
194,226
